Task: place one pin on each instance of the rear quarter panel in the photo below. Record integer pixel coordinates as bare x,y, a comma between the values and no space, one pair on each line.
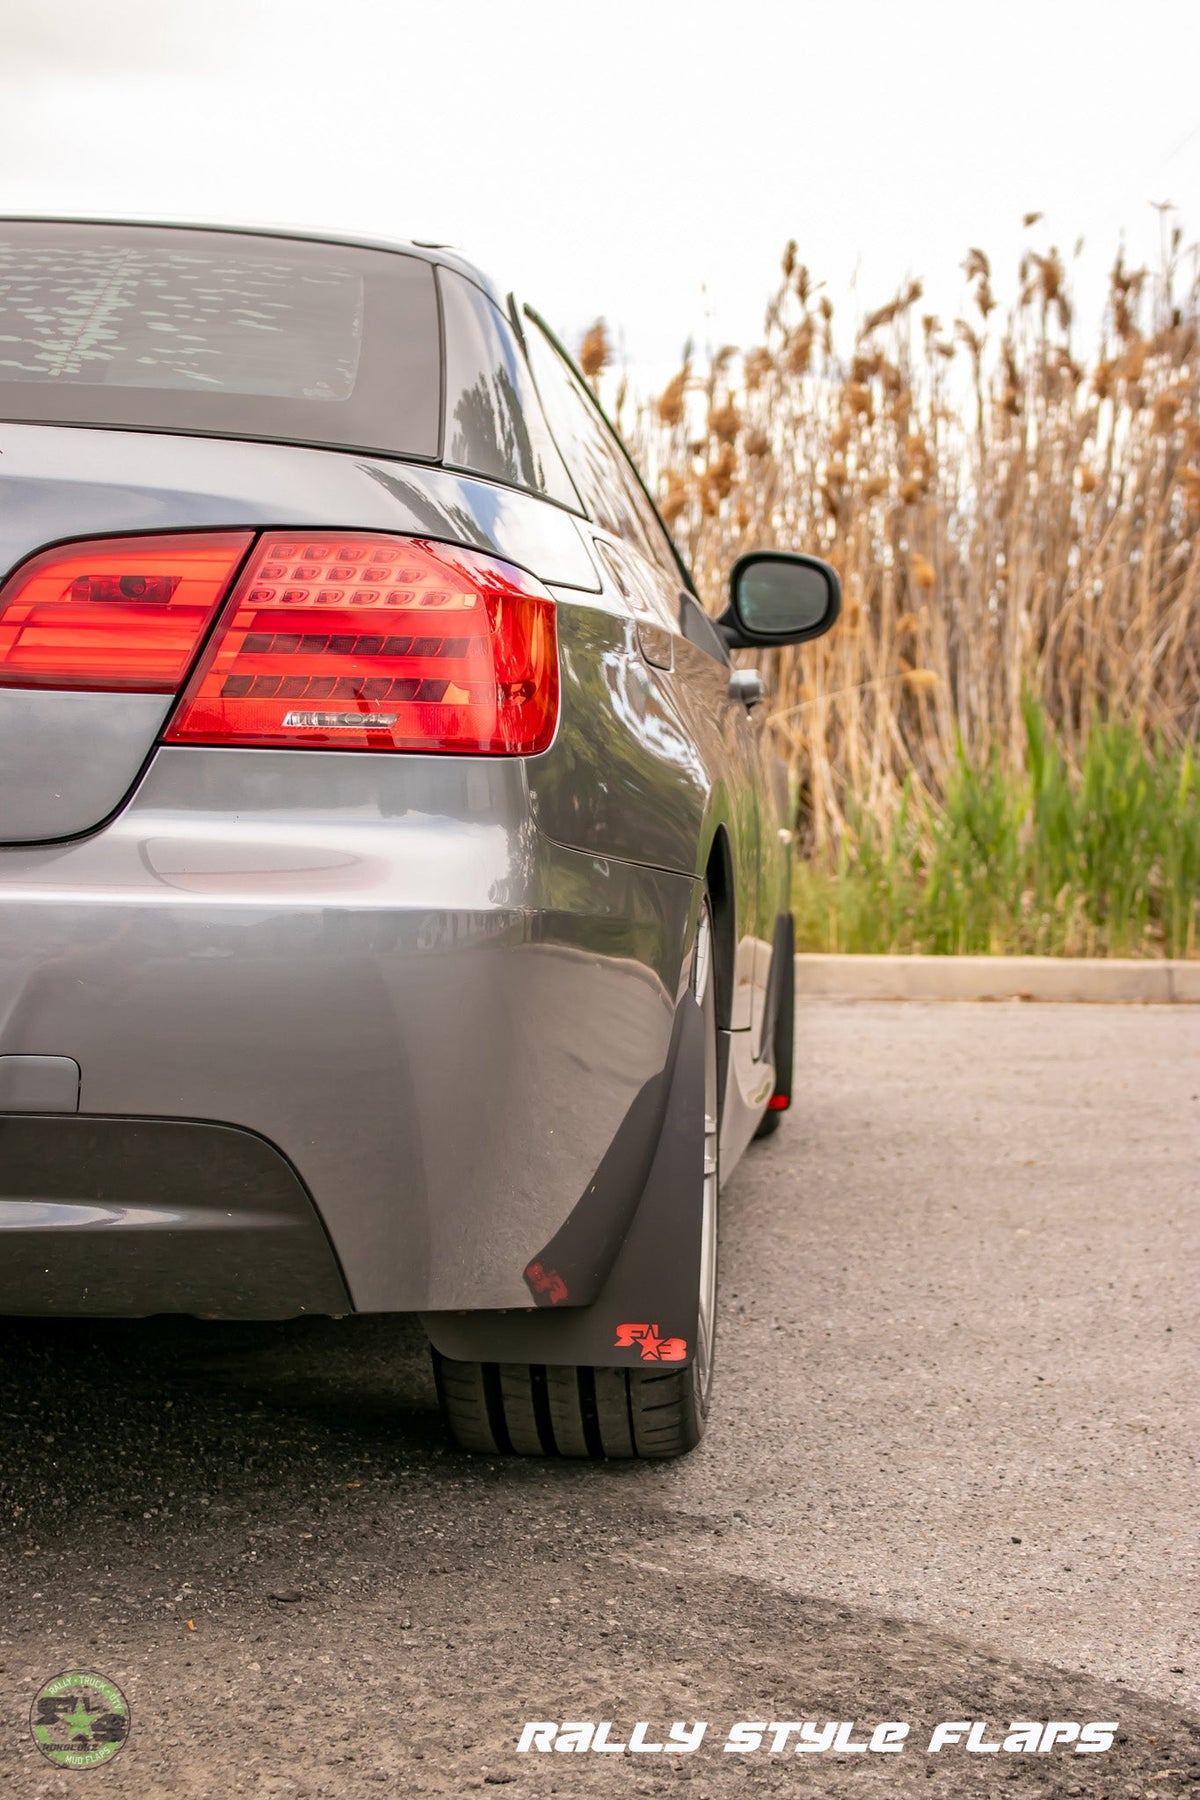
69,760
649,765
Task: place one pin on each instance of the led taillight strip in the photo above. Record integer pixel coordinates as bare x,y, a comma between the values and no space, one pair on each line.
352,641
361,642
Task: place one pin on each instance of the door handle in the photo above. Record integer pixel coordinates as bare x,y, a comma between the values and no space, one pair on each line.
746,685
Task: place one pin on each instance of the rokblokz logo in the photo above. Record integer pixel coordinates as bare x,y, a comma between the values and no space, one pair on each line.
653,1346
79,1720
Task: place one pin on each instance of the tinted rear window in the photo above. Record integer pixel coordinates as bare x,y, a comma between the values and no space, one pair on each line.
219,332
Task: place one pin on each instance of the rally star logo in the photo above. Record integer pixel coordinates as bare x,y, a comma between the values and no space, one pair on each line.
653,1347
78,1722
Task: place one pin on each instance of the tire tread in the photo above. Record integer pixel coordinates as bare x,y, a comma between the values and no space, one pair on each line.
501,1409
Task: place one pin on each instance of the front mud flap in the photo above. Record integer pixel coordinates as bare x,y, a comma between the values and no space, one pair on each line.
646,1310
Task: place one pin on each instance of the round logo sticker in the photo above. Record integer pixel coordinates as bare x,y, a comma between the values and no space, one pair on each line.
79,1720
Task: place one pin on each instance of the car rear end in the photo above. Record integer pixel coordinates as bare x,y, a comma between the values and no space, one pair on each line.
299,1010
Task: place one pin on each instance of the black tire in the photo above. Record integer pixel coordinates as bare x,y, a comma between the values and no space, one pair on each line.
785,1032
497,1409
501,1409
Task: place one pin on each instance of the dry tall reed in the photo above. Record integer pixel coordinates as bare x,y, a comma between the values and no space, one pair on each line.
1010,519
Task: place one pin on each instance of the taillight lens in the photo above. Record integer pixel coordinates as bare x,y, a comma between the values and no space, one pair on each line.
116,613
377,643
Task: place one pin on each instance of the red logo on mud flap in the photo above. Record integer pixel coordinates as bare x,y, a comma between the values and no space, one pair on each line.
652,1347
547,1282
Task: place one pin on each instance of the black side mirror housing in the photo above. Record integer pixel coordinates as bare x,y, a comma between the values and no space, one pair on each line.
779,597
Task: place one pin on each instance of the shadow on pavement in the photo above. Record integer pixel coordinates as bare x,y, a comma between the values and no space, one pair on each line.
260,1532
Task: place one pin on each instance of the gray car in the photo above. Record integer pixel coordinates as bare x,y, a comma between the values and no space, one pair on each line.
394,881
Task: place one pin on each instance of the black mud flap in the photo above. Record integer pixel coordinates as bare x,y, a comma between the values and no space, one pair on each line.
783,955
646,1310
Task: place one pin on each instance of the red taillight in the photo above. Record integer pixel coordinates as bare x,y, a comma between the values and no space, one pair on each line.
779,1102
377,643
116,613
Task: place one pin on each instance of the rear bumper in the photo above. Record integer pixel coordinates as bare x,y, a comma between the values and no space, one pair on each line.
442,1023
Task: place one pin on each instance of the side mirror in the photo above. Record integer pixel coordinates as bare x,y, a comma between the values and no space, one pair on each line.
779,597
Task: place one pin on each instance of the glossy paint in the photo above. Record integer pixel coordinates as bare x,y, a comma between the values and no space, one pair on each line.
445,991
657,759
69,759
439,1017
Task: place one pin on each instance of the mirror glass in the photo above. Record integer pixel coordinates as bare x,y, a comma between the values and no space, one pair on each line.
779,597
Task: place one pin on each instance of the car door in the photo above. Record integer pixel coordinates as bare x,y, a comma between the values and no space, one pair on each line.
675,638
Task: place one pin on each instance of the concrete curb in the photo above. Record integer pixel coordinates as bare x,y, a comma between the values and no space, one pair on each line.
997,978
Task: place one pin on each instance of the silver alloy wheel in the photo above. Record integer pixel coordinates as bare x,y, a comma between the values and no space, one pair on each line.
704,989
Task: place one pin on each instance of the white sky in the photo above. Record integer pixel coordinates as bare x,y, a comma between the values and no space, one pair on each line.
643,159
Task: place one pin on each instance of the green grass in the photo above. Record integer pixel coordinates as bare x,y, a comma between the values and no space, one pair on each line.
1102,859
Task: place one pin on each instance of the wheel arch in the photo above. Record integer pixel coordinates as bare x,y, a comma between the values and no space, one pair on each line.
718,877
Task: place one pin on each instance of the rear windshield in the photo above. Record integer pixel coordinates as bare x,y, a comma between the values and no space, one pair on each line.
221,333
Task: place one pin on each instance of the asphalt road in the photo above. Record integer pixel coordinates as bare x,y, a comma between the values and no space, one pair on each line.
950,1476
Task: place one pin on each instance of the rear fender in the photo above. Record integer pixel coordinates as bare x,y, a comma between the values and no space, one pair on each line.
646,1310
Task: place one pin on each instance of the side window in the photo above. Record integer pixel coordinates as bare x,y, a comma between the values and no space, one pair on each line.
603,473
494,422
